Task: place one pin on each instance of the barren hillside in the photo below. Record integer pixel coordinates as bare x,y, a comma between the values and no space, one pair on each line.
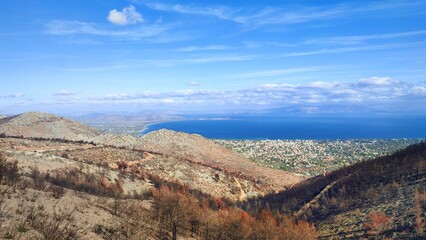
188,159
44,125
205,152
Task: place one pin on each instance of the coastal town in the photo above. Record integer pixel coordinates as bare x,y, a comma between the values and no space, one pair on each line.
313,157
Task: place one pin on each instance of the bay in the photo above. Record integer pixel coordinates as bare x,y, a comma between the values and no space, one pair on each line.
304,128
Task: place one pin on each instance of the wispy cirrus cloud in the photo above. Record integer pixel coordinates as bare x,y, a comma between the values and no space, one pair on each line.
350,40
217,58
284,14
220,58
277,72
221,12
267,15
203,48
69,27
376,47
161,63
107,67
274,15
252,44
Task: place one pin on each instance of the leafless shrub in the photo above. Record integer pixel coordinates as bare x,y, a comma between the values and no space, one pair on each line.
9,234
130,223
79,180
57,191
38,179
23,184
31,197
418,211
3,208
65,155
9,171
57,226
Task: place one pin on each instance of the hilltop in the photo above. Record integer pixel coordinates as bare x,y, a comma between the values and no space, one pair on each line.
207,153
44,125
188,159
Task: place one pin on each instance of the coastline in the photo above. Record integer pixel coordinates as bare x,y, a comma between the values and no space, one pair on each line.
148,124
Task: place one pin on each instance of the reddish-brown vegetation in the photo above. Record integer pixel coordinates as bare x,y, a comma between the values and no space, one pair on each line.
179,212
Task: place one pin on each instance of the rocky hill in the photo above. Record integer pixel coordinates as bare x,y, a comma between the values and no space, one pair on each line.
203,151
44,125
187,159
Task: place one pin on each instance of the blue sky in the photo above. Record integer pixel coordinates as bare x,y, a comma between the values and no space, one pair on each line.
140,55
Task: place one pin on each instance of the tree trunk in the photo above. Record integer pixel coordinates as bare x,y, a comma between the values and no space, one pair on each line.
174,231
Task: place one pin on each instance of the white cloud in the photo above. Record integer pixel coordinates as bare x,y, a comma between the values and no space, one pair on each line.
193,83
64,93
419,90
197,93
126,96
378,82
127,16
14,95
380,91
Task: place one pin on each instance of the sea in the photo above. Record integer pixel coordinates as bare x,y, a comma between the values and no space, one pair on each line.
300,127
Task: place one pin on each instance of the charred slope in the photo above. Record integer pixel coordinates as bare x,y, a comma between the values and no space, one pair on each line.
390,185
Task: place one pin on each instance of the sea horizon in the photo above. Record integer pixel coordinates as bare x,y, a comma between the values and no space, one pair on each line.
297,128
